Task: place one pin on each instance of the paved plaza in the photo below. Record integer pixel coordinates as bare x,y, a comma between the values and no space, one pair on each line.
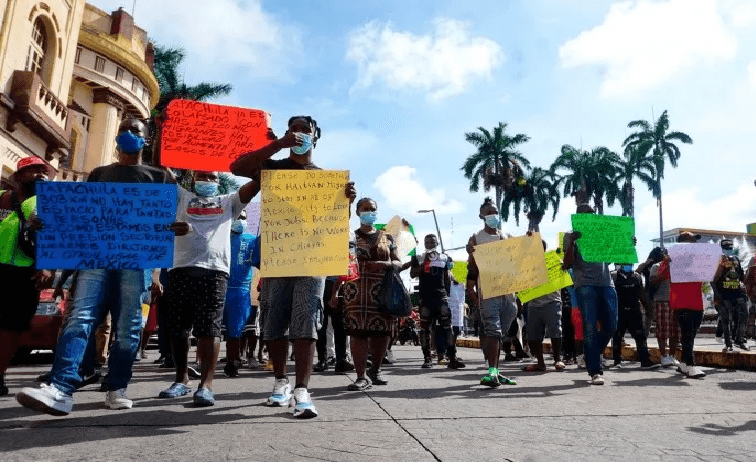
436,414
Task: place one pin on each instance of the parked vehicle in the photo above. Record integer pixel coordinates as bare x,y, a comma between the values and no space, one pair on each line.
45,325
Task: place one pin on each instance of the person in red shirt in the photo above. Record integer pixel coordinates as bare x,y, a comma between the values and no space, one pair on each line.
686,302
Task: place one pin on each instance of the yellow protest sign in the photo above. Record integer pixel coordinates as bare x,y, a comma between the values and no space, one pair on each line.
558,279
304,227
511,265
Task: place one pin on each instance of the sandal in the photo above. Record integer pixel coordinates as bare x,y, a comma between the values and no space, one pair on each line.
534,368
559,366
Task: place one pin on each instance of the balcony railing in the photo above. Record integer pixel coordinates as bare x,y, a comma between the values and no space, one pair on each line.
40,110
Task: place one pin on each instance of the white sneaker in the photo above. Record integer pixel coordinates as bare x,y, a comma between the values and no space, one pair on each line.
390,357
667,361
116,399
581,362
253,363
47,398
281,394
301,403
695,372
596,379
675,362
682,368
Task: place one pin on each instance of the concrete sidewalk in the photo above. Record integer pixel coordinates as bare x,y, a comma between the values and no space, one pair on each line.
708,352
436,414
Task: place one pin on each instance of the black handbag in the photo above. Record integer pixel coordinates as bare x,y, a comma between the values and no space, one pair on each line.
394,299
27,236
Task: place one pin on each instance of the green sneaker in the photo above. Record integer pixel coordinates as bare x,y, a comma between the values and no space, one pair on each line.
506,381
491,379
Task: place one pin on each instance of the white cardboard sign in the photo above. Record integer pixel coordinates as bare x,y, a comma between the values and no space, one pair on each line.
694,262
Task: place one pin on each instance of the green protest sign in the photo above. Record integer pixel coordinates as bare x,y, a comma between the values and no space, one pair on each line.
558,279
459,270
605,238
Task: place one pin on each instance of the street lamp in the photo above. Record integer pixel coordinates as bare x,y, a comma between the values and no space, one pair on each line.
440,240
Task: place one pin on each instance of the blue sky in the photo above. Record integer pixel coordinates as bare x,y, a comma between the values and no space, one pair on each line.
395,85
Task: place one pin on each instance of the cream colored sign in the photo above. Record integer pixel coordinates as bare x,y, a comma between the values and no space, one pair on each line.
511,265
304,227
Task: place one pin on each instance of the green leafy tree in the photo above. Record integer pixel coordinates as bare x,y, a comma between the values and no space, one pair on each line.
534,194
589,175
633,166
657,142
497,163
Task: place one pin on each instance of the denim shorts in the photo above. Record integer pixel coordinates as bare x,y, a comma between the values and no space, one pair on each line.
497,314
293,307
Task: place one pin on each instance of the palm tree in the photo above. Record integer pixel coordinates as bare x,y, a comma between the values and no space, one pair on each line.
534,194
634,166
497,163
602,177
660,142
590,175
172,86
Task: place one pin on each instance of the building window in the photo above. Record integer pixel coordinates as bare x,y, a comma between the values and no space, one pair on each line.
78,55
35,59
119,74
100,64
134,82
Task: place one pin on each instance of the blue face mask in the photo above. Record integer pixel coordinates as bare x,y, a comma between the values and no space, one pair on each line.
239,226
492,221
368,218
306,145
627,268
129,143
206,188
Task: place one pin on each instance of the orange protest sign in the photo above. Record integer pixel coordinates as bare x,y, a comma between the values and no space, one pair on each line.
202,136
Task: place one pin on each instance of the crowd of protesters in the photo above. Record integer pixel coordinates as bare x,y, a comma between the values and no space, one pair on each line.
210,287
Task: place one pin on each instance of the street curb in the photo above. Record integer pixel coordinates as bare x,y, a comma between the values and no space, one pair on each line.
745,360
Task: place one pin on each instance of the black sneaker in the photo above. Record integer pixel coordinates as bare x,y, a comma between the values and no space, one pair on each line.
231,369
89,379
331,361
320,366
650,366
342,367
104,382
742,346
167,363
508,358
376,378
455,363
428,363
193,370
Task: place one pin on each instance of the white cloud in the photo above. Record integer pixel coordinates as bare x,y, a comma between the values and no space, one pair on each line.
402,192
220,37
441,64
752,73
642,44
731,211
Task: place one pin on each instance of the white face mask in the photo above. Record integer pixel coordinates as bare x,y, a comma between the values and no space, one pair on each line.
306,145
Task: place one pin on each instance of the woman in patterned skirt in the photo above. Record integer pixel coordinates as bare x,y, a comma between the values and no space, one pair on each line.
367,326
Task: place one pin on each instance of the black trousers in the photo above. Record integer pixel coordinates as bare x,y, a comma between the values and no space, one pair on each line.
630,320
438,310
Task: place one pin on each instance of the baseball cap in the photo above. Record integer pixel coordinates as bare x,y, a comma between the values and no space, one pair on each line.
31,161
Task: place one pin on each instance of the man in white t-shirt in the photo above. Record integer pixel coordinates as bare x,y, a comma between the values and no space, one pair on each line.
196,292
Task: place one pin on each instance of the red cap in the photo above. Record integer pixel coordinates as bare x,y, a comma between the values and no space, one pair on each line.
31,161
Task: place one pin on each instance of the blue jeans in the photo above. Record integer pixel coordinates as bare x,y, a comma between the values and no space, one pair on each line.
96,292
597,304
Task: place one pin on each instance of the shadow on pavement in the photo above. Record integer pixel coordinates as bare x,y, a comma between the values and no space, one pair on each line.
721,430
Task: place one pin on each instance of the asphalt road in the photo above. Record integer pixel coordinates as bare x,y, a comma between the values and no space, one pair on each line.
436,414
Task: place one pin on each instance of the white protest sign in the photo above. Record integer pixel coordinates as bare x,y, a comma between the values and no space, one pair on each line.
694,262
